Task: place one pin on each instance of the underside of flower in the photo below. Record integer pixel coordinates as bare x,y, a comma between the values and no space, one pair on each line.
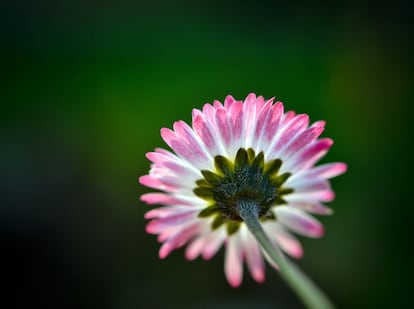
248,179
236,159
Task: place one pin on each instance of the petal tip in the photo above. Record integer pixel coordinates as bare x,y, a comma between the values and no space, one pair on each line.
319,231
206,255
189,256
329,196
259,276
343,167
143,180
298,254
166,134
149,227
164,251
296,251
147,216
234,282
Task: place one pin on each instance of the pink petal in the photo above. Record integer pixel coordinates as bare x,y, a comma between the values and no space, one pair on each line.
260,101
288,116
179,146
163,199
272,125
301,141
172,171
163,158
157,225
162,155
299,222
210,114
322,196
178,240
320,123
312,207
311,154
174,182
296,125
327,171
286,240
203,130
167,153
222,126
262,120
167,135
175,168
233,264
217,105
249,104
228,101
155,157
214,242
168,233
315,184
254,258
157,212
236,120
166,211
249,111
155,183
194,249
185,134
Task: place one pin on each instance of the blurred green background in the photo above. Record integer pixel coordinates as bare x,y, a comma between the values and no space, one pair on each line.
85,88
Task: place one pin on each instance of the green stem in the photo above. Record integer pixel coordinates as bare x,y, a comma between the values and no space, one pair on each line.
308,292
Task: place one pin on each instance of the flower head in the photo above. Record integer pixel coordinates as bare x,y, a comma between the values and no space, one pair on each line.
239,153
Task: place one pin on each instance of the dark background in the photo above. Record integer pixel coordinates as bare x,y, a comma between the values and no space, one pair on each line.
85,88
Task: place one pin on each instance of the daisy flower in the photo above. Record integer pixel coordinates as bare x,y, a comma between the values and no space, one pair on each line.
237,156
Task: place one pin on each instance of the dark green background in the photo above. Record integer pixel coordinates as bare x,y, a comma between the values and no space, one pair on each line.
85,89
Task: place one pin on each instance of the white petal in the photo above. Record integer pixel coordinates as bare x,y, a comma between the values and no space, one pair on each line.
253,254
233,265
299,222
286,240
215,240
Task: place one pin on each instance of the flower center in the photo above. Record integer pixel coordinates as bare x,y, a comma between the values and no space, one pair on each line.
247,179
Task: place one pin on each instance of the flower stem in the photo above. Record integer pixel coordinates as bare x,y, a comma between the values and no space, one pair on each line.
308,292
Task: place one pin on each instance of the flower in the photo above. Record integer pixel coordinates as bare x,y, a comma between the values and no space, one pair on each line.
239,151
